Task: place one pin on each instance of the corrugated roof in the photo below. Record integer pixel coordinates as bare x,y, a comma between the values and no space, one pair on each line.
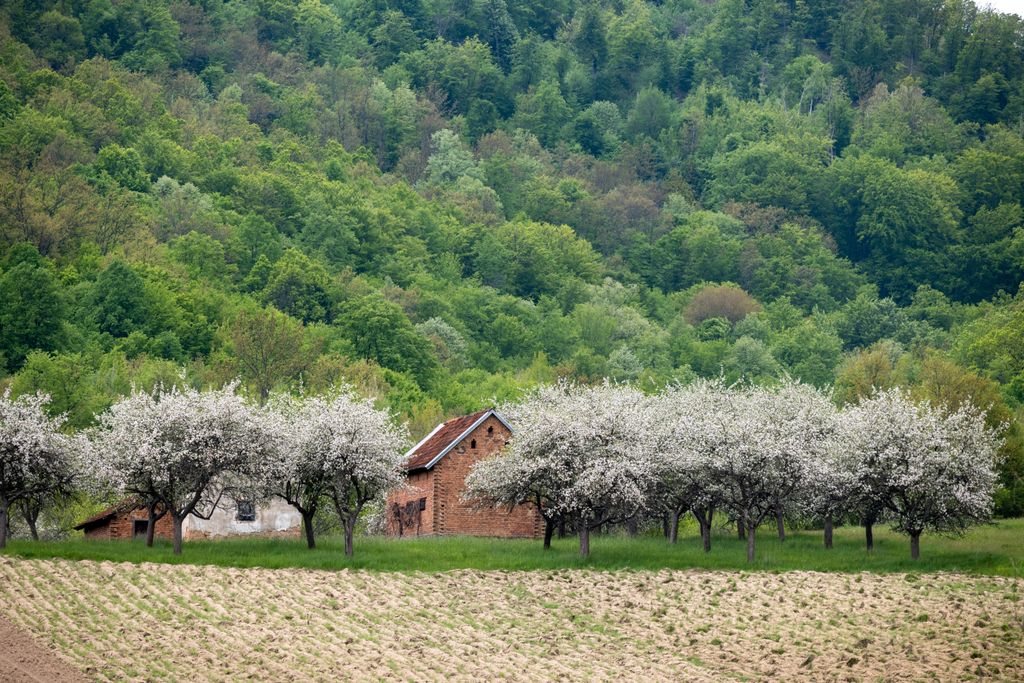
444,437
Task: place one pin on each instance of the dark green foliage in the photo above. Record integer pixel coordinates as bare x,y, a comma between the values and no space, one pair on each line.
120,304
393,37
867,319
58,38
447,202
299,287
501,32
33,308
380,331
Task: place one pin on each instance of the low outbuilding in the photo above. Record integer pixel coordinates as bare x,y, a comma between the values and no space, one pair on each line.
128,519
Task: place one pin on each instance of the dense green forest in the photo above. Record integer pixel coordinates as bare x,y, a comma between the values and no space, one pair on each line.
444,202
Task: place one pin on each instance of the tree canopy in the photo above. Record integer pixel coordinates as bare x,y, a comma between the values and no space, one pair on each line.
442,203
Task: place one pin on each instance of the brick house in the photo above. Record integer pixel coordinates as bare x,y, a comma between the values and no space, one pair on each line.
127,520
437,466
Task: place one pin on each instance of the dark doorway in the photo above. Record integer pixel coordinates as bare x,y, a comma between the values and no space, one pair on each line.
139,528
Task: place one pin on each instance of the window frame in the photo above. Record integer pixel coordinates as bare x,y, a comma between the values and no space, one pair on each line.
250,515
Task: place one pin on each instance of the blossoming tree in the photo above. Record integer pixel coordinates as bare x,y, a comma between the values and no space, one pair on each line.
35,457
180,449
929,469
338,448
831,488
681,414
290,473
588,451
755,444
510,481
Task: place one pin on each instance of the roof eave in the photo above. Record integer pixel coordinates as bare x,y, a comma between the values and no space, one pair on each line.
89,523
435,430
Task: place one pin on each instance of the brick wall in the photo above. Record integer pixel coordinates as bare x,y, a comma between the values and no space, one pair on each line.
453,516
121,525
405,518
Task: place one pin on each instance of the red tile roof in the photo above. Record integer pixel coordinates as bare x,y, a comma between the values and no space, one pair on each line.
125,505
445,435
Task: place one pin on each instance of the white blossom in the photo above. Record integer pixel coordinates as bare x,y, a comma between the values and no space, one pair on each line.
180,448
35,457
684,484
929,469
831,490
748,449
584,454
339,448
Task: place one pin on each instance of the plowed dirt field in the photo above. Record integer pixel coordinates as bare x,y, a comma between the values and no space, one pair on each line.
192,623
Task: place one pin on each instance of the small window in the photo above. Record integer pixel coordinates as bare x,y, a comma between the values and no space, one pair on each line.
472,444
423,504
246,511
490,430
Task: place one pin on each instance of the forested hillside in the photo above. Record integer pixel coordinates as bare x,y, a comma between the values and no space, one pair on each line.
446,201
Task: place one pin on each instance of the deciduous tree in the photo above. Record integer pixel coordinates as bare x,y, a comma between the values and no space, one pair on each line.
270,347
684,475
338,448
35,457
755,445
181,449
929,469
588,449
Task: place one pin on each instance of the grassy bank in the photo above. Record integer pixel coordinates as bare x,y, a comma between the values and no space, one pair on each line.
996,549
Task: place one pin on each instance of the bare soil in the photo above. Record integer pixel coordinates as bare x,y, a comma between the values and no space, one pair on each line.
163,622
23,660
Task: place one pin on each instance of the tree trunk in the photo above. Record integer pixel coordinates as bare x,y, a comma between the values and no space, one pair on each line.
751,532
584,539
915,545
780,521
307,525
673,528
704,518
4,511
151,528
350,530
549,531
741,530
177,521
665,525
31,517
869,536
828,531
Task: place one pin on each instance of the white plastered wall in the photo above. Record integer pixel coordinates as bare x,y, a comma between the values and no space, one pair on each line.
274,517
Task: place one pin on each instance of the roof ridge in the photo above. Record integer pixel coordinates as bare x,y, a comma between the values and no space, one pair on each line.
445,436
